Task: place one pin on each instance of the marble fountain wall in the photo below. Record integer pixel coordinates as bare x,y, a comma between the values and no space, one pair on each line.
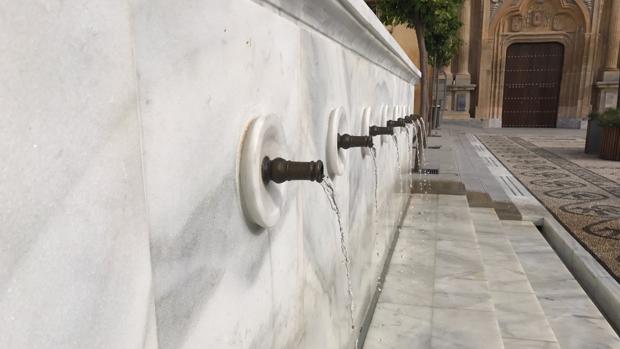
121,124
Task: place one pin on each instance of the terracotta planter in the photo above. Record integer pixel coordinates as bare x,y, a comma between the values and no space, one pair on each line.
610,144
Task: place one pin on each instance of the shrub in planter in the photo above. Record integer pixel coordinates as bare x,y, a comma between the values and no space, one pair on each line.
610,144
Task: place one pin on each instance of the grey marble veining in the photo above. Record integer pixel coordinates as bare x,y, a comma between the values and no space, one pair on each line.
511,343
75,265
461,328
574,319
398,326
122,123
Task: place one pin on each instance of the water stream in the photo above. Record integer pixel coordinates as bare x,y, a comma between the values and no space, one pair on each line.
373,152
400,172
409,153
420,164
328,188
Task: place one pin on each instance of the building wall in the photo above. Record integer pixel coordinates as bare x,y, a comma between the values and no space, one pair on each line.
584,27
567,23
406,38
122,221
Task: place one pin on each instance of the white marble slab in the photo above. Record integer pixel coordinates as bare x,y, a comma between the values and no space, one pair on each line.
122,226
75,266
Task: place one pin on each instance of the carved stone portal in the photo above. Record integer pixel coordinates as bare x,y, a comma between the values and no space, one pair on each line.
517,24
537,18
557,23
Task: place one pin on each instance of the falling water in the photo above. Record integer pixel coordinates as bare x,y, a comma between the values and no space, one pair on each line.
400,172
373,152
328,188
423,130
420,165
409,153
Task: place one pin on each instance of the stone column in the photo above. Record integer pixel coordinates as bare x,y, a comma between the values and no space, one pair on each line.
608,85
463,67
460,89
447,72
613,41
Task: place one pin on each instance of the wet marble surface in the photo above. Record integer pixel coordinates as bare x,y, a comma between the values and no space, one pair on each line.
452,287
400,326
523,297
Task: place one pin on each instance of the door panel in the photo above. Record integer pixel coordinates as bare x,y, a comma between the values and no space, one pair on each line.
532,85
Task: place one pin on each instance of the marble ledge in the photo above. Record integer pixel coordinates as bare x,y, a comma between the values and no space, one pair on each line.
355,26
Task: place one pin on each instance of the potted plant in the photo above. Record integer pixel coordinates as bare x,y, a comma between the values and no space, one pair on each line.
609,121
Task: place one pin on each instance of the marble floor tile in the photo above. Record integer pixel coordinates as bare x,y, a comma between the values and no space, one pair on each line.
397,326
558,288
450,284
497,248
454,216
480,301
507,280
458,259
569,305
488,230
488,225
512,343
524,326
409,251
532,247
515,302
489,211
461,328
484,217
580,332
517,223
417,291
452,200
455,232
417,233
419,220
544,266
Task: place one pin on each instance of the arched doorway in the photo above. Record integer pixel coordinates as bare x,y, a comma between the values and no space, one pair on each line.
532,84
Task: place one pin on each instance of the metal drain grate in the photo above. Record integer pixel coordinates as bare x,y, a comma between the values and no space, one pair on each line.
428,171
434,146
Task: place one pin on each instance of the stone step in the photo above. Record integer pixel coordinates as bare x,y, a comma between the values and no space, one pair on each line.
521,319
575,320
436,293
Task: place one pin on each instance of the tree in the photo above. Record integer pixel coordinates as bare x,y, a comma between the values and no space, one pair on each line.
436,23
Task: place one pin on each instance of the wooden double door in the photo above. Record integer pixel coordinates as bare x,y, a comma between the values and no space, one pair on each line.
532,84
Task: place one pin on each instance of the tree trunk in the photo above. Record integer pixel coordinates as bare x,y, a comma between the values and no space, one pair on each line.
419,31
436,97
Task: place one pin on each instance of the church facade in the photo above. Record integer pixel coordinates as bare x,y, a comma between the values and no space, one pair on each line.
533,63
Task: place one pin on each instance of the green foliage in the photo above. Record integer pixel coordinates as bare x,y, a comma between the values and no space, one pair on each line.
609,118
439,19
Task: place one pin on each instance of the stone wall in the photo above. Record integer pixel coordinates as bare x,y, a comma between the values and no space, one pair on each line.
121,125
